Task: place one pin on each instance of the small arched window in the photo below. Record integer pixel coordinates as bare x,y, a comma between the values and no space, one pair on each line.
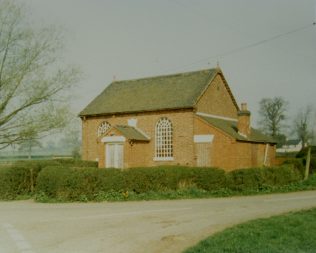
164,142
103,127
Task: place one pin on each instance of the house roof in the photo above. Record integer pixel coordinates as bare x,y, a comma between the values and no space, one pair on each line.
131,133
178,91
230,128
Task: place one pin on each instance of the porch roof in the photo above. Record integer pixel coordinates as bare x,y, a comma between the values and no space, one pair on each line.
131,133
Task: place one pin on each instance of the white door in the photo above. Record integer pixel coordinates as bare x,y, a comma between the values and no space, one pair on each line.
114,155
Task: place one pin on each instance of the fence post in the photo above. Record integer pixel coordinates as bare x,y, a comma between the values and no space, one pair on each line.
308,160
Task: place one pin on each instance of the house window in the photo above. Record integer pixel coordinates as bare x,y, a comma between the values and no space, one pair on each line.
103,127
163,144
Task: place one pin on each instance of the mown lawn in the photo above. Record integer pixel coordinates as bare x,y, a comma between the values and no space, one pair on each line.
289,233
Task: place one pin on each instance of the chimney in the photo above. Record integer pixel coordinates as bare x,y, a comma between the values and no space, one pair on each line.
243,124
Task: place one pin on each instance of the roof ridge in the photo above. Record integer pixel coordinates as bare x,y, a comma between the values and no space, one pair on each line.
163,76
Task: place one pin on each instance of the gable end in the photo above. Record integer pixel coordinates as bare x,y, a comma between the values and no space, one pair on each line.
218,73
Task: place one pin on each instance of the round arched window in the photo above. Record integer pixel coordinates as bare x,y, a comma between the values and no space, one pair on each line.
103,127
163,144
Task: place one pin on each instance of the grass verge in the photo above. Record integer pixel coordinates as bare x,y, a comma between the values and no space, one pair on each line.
290,233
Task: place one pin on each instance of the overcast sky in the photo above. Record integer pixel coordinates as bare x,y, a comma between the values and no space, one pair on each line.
139,38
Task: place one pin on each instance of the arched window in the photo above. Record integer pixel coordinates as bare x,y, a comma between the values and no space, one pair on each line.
163,144
103,127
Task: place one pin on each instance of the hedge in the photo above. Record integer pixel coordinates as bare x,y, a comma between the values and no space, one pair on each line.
76,162
20,178
14,182
75,184
300,164
72,180
261,178
142,180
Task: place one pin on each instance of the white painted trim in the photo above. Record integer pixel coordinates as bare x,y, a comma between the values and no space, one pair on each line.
142,132
113,139
243,135
163,159
203,138
265,155
215,116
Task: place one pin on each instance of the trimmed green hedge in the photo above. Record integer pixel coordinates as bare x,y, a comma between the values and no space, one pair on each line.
15,181
20,178
261,178
75,180
142,180
76,163
66,183
74,183
77,184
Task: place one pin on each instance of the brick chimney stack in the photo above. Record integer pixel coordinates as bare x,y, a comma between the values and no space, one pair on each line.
243,124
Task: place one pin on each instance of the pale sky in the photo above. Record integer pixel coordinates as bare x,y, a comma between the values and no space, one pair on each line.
139,38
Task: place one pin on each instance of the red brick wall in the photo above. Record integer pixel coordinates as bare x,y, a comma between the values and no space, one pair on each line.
229,154
225,152
142,154
216,100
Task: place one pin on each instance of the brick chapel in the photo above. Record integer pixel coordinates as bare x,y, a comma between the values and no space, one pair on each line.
187,119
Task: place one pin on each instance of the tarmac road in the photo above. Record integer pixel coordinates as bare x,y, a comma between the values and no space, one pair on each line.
144,226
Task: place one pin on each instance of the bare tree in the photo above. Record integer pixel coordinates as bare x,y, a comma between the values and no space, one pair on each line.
29,144
303,125
272,113
33,82
72,138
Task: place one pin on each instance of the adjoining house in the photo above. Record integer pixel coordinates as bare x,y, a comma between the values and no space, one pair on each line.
289,146
182,119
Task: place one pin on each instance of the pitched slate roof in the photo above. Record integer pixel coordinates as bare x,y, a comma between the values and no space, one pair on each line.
178,91
131,133
230,128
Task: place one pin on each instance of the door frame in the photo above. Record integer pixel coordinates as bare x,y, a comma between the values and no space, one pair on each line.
118,149
116,141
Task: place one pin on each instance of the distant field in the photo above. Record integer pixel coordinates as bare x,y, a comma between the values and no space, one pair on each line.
8,159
